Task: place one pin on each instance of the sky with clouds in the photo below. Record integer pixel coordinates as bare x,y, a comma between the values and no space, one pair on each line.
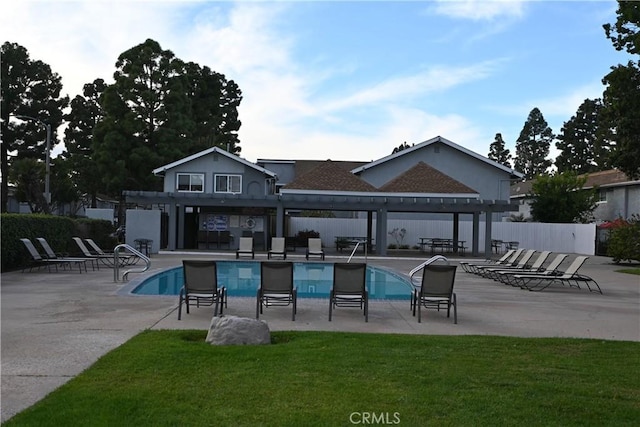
348,80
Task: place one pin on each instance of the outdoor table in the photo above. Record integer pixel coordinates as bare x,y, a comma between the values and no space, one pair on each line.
144,245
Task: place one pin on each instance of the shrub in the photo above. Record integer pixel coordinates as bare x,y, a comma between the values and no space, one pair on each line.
58,231
624,240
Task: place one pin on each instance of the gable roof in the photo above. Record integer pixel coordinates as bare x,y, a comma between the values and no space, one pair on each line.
423,178
433,141
329,176
162,169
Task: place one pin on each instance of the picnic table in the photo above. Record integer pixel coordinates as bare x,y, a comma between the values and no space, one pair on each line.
441,245
347,242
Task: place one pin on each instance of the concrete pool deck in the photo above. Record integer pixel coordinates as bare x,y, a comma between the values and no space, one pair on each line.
55,325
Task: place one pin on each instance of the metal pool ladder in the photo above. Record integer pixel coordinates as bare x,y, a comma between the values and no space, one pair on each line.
355,248
116,256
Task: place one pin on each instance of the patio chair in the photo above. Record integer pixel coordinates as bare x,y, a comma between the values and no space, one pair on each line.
201,286
314,248
125,259
349,287
245,247
522,263
51,254
276,287
494,273
507,276
277,248
38,260
469,267
105,259
571,277
512,261
436,291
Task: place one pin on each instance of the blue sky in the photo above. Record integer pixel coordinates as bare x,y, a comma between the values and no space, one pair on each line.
348,80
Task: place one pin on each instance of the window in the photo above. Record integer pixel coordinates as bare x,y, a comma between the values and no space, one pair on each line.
602,196
190,182
228,184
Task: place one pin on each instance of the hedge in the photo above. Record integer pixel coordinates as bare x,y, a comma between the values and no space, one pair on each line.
58,231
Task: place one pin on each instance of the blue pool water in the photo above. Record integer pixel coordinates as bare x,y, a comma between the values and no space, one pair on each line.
312,279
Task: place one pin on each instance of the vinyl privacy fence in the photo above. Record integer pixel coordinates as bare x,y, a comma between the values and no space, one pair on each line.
565,238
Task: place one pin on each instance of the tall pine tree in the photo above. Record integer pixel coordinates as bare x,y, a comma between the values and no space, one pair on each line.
29,88
621,98
582,145
532,146
498,152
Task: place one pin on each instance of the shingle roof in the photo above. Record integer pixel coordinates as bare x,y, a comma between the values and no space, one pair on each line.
304,166
329,176
423,178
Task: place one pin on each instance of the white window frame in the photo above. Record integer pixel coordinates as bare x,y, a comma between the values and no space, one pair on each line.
191,184
229,180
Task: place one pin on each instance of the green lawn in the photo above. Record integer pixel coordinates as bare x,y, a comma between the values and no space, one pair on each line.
173,378
630,271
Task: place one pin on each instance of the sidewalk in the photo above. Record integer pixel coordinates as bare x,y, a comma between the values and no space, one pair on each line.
55,325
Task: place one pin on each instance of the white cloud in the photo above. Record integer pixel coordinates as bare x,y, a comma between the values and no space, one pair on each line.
479,10
436,78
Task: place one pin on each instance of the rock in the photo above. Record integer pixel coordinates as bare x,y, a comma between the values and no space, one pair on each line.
233,330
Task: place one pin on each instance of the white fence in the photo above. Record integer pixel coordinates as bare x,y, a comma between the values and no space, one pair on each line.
565,238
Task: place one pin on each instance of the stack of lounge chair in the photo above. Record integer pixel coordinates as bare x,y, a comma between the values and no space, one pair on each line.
514,269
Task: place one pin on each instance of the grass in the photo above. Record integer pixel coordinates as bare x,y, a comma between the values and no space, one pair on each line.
173,378
630,271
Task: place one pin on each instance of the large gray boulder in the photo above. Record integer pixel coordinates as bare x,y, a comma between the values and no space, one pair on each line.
233,330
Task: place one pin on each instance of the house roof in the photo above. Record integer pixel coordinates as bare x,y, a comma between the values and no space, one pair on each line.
423,178
608,178
329,176
162,169
437,139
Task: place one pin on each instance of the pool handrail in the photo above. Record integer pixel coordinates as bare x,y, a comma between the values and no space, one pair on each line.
355,248
427,262
116,256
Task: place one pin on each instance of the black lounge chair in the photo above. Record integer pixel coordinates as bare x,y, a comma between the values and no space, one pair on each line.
506,276
470,267
276,287
123,258
37,260
571,277
511,262
522,264
201,286
63,258
349,287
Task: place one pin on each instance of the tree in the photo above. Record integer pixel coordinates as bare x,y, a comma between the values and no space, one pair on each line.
498,153
215,103
582,145
532,146
622,111
400,147
85,113
560,198
622,96
28,88
159,110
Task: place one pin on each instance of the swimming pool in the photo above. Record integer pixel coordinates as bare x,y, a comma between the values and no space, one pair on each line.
312,279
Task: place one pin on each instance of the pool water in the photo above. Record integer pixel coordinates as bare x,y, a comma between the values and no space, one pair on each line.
312,279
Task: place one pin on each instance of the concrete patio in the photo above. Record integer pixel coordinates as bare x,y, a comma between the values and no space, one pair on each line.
55,325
